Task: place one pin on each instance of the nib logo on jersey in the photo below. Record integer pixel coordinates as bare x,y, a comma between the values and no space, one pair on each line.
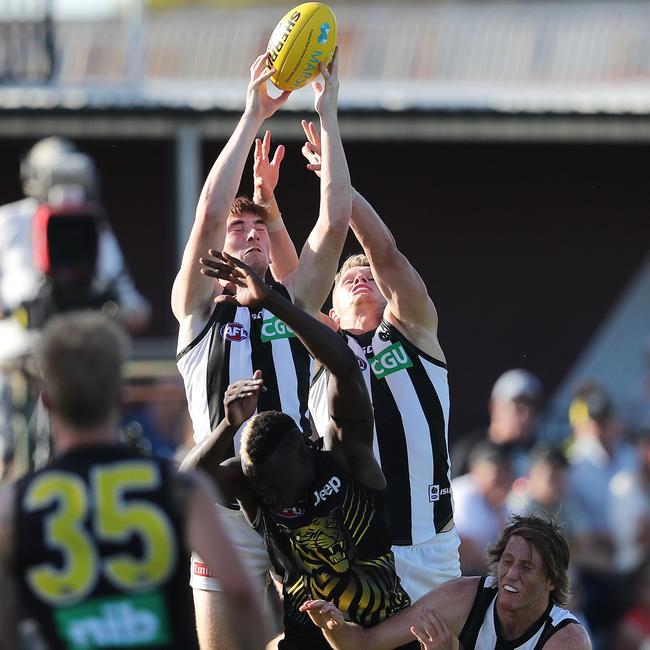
273,328
233,332
390,360
115,622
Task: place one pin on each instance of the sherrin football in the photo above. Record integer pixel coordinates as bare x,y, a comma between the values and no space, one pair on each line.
305,37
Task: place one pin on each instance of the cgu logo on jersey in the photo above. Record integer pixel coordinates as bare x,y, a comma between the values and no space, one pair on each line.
233,332
390,360
273,328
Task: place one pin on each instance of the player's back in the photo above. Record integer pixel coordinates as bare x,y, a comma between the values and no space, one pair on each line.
99,553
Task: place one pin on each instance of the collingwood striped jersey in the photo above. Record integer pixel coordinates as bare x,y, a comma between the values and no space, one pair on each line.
235,342
410,397
481,632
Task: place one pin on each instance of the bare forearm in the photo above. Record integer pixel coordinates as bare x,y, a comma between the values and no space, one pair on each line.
246,620
321,342
224,177
336,188
371,232
210,452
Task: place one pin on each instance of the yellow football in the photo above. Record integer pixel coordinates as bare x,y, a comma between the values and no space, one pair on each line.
305,37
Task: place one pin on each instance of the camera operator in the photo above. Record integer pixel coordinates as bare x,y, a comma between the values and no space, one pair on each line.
57,253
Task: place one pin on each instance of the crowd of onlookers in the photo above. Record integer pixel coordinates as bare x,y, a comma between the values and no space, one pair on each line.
595,482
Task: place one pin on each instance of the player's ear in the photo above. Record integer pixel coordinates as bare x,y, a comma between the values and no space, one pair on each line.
334,316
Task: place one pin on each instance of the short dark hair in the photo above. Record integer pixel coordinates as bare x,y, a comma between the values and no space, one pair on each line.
262,436
81,356
243,204
543,452
548,538
591,400
487,451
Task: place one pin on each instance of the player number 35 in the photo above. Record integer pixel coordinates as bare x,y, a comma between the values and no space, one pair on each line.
115,519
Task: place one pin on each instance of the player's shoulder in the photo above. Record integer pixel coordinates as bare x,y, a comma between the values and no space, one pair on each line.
572,636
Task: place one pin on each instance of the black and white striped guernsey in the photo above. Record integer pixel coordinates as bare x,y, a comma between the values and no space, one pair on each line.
235,342
410,397
481,631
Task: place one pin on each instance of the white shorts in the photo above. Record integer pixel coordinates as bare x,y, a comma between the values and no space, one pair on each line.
421,567
248,545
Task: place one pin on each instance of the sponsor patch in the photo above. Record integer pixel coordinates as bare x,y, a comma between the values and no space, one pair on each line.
291,513
201,569
233,332
435,492
134,621
390,360
332,486
273,328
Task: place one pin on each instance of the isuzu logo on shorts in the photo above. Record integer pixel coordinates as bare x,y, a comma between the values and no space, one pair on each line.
435,492
390,360
233,332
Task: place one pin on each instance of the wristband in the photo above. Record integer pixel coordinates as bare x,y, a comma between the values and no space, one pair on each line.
265,204
275,225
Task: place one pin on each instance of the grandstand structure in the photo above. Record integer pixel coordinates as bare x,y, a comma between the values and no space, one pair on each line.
484,110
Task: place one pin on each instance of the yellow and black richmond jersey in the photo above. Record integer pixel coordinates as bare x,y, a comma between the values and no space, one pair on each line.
335,545
100,560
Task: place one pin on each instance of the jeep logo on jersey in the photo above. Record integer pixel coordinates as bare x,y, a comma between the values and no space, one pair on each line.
233,332
362,363
390,360
273,328
435,492
329,488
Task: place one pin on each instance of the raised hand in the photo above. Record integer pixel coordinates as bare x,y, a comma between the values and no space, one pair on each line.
266,172
324,614
311,148
249,289
258,101
240,400
431,631
326,96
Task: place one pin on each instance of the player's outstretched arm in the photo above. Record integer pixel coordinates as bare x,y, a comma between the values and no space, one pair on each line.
266,173
320,255
240,402
192,292
205,535
410,307
451,601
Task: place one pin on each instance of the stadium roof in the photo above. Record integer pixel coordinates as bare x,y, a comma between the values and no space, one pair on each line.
579,59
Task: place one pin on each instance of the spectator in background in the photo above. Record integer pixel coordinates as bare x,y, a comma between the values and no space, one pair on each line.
596,453
633,631
514,404
629,509
480,504
54,174
544,491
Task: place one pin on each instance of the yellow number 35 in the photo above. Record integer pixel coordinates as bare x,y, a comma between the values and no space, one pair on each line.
115,520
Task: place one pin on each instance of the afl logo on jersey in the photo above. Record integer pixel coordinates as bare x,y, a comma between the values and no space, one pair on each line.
362,362
233,332
291,513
